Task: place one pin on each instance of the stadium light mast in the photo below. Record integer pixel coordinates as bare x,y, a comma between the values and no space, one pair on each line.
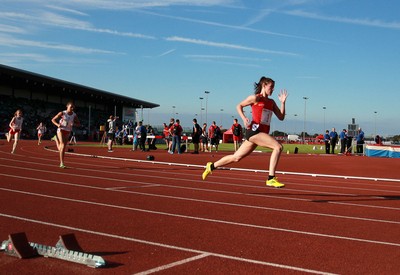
222,112
201,109
324,117
305,118
206,92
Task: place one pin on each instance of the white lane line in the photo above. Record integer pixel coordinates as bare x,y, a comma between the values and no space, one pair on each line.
101,170
209,219
134,187
166,245
234,185
171,265
232,168
215,202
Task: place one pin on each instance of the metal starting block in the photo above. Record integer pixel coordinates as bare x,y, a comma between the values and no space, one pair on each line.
67,249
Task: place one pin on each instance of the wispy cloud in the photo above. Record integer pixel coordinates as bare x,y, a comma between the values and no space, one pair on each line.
57,20
354,21
11,29
260,16
225,57
7,40
59,8
16,58
143,4
226,46
241,28
167,52
228,60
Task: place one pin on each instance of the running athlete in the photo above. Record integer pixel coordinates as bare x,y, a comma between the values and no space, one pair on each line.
15,129
64,121
257,130
41,130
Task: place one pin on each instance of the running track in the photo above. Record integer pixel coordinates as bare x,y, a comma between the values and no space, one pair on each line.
337,214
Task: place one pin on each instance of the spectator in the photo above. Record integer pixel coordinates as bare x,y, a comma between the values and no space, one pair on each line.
360,141
343,141
142,135
204,138
196,133
176,137
327,140
171,126
166,134
378,140
334,138
214,132
151,141
136,135
237,132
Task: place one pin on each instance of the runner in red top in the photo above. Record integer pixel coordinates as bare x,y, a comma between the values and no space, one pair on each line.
257,130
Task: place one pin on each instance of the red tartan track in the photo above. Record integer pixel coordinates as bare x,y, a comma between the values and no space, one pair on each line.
336,215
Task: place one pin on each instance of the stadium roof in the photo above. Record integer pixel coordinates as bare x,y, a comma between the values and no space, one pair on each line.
28,80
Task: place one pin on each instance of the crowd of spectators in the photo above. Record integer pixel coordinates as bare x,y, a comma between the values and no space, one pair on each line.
37,111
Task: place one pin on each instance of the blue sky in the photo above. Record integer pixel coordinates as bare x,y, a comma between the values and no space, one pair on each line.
341,54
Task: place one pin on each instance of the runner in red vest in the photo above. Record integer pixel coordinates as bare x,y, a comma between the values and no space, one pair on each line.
257,130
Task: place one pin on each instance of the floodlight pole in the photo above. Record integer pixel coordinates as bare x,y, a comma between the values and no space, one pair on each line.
201,109
206,92
305,118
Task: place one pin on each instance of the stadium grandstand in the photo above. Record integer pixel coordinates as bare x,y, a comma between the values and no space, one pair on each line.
41,97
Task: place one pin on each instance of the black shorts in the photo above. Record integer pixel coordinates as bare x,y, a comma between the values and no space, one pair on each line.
214,141
196,139
250,133
110,136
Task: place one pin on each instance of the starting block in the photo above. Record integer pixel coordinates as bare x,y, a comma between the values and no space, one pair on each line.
67,249
17,246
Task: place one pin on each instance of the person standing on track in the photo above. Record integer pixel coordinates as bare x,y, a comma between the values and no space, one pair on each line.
166,135
334,138
257,130
111,127
177,131
64,121
196,133
237,134
214,133
204,138
343,141
327,140
15,129
360,141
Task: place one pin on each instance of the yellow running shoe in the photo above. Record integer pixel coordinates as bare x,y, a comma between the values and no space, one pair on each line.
207,171
274,183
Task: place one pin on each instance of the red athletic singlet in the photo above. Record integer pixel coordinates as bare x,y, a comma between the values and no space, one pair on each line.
262,113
